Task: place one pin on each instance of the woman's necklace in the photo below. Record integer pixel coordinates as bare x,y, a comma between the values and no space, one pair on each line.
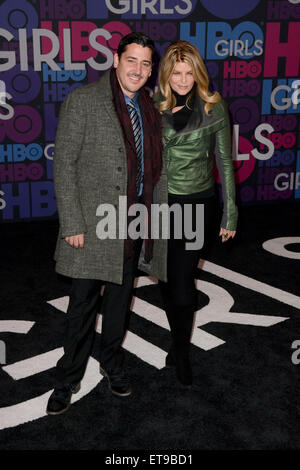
180,101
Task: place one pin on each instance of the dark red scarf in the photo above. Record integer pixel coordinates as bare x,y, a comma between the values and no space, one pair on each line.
152,154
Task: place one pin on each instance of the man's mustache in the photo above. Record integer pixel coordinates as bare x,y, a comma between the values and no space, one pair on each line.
135,75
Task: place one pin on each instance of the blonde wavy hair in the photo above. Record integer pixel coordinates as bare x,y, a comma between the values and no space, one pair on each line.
183,51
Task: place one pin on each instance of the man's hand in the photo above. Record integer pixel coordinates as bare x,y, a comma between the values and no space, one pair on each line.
77,241
226,234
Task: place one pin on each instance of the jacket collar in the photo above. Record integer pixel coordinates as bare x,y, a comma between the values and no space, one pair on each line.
198,119
104,87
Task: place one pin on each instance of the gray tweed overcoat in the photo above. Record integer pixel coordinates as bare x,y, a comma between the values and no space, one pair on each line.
90,168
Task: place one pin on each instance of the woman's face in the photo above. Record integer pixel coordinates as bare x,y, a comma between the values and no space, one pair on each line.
181,79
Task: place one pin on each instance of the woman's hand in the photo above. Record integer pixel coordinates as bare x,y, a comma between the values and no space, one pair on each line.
226,234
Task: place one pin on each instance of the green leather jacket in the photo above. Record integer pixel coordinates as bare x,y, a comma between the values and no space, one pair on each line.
189,154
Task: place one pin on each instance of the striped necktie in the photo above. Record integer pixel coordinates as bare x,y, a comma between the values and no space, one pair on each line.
138,141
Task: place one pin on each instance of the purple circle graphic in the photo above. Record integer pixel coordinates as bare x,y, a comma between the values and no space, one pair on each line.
21,83
245,113
18,19
15,14
23,124
230,9
23,86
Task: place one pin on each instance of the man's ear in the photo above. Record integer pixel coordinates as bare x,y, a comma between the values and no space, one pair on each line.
116,60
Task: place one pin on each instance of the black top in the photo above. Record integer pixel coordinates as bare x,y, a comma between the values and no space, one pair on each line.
181,117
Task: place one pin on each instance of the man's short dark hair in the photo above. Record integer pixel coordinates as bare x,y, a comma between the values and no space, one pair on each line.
137,38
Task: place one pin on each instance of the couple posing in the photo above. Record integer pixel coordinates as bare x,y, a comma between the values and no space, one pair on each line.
112,141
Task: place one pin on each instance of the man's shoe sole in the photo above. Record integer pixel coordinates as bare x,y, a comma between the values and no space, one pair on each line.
75,390
58,412
125,394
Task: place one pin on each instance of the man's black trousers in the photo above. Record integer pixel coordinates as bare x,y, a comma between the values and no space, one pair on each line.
81,318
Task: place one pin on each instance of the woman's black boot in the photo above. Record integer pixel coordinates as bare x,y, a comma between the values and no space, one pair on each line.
181,323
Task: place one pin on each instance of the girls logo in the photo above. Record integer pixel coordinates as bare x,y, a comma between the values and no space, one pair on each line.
231,8
133,9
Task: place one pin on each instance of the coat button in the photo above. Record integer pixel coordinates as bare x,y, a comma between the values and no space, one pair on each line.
118,188
120,149
119,168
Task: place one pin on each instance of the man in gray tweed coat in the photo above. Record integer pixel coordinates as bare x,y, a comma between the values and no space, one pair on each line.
96,161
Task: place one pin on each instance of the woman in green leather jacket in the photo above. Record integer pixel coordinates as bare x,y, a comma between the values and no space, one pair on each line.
195,127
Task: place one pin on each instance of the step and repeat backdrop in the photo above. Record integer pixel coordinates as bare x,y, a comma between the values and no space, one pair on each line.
50,47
